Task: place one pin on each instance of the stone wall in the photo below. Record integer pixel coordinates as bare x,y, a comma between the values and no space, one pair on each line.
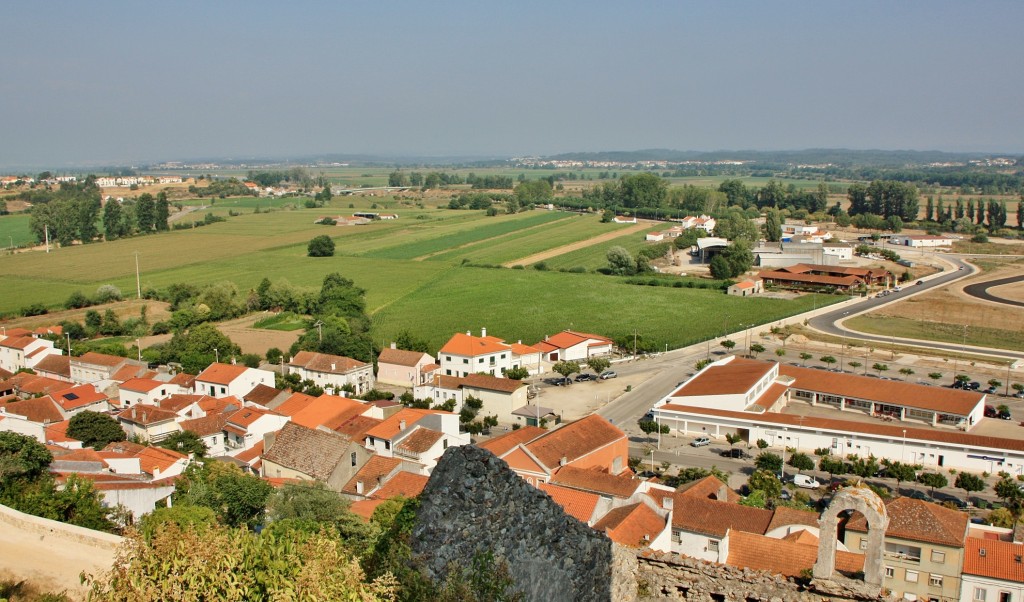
662,576
474,503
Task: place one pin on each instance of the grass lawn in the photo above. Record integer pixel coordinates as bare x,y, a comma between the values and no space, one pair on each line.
937,331
596,256
527,304
14,230
285,320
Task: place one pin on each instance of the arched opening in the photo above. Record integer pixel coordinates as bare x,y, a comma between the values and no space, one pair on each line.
866,502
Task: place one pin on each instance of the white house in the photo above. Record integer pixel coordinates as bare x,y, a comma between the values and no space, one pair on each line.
746,288
500,396
465,354
920,240
655,236
621,219
332,371
94,367
148,422
18,352
993,571
146,390
223,380
247,426
403,368
840,250
417,435
574,346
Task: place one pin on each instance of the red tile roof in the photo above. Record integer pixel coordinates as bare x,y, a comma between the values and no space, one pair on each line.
211,424
262,394
845,281
323,362
577,504
714,518
55,364
918,520
145,414
364,508
141,385
391,426
596,481
1001,560
375,469
470,346
403,483
246,416
784,557
18,342
327,410
633,526
733,378
356,428
153,458
100,359
708,488
221,374
783,516
57,432
478,381
40,384
569,338
419,441
938,399
400,357
575,440
41,410
78,397
502,443
315,453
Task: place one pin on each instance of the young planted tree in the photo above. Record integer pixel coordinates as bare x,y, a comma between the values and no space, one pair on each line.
934,480
768,461
832,466
733,438
855,364
728,344
969,482
801,461
598,364
566,368
828,360
780,352
879,367
901,472
906,372
935,375
756,348
804,356
766,482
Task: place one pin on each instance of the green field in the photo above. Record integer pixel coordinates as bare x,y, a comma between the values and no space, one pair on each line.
411,269
595,256
14,230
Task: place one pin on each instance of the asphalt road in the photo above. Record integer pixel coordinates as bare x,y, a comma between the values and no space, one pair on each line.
980,290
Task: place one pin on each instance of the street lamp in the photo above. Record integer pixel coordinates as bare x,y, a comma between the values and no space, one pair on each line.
903,453
216,354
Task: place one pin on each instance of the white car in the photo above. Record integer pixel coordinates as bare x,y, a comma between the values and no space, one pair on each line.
809,482
701,441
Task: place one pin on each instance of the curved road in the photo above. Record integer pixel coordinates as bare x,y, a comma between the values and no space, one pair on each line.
826,322
980,290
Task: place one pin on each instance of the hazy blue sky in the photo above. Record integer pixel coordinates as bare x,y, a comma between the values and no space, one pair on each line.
101,82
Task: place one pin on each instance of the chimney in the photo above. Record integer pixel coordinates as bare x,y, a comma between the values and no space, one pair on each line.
334,366
667,502
135,413
359,487
269,439
483,332
723,494
393,346
401,425
981,552
563,461
469,334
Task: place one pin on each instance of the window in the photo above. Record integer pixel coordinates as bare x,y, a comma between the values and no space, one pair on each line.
863,543
889,572
353,458
939,557
387,444
215,441
979,594
712,545
445,444
502,356
223,390
465,360
480,361
935,580
1004,596
911,577
448,372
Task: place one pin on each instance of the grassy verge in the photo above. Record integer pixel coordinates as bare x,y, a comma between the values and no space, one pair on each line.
286,321
937,331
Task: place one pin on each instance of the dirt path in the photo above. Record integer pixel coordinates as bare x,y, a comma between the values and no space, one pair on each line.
477,242
578,245
50,563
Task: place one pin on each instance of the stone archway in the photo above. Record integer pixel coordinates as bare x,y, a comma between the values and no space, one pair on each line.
866,502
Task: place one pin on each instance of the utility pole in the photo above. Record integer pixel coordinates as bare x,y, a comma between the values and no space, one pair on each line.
46,231
320,330
138,281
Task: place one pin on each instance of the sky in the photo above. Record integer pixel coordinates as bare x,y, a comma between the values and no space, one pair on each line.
128,82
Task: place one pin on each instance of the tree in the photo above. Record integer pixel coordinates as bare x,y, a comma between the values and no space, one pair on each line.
186,442
307,501
1002,517
827,360
621,262
906,372
517,373
804,356
855,364
756,348
969,482
161,212
768,461
720,268
94,429
21,457
321,246
289,564
598,364
765,481
862,467
901,472
739,256
650,426
801,461
832,466
773,225
565,368
237,498
643,190
145,213
935,375
879,367
733,438
933,480
780,352
1009,491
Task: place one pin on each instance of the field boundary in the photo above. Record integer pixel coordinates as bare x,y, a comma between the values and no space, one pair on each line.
582,244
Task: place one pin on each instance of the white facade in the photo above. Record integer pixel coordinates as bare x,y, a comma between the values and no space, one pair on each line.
146,391
328,372
921,241
842,252
17,353
226,380
239,440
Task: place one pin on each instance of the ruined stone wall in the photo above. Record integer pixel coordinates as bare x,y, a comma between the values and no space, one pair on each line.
474,503
663,576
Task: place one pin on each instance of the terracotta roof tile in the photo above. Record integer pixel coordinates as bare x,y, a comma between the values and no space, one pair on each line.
356,428
251,455
374,471
918,520
262,394
312,452
78,397
246,416
596,481
364,508
183,379
178,402
403,483
569,338
141,385
632,526
221,374
401,357
55,364
100,359
57,432
478,381
575,440
330,411
711,517
211,424
42,410
577,504
419,441
326,363
470,346
783,557
737,376
783,516
40,384
18,342
146,414
1002,559
708,488
502,443
391,425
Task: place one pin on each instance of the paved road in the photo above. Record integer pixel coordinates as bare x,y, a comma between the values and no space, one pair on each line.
980,290
827,322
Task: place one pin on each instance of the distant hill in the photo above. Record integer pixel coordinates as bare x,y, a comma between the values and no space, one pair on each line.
836,156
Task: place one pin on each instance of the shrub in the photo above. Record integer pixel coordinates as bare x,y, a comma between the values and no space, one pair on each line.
321,246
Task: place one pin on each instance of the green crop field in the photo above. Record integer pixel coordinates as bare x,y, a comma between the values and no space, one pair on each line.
596,256
409,268
14,230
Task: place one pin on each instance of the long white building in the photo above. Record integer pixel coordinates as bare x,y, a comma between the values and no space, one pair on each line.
911,423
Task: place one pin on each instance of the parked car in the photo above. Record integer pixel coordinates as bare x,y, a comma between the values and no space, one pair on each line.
974,385
897,289
990,412
734,452
917,495
608,374
585,377
560,382
1004,415
701,441
919,282
802,480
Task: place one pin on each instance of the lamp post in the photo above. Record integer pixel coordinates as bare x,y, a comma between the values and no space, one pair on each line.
903,452
782,469
216,354
138,280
